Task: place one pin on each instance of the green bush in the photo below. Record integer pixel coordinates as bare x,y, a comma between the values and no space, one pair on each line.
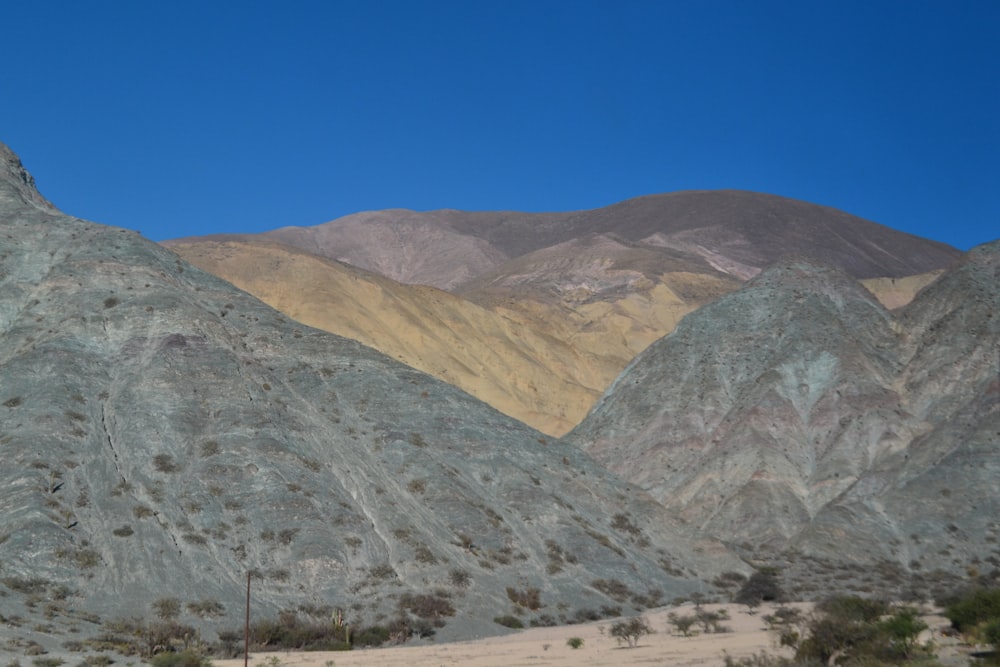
509,621
854,630
183,659
978,606
574,642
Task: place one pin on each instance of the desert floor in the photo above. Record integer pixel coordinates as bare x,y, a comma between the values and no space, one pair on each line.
547,646
544,647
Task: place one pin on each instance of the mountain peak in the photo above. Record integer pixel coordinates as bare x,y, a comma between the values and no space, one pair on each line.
16,183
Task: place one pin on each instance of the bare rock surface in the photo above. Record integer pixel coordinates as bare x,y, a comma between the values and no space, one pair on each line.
165,433
798,414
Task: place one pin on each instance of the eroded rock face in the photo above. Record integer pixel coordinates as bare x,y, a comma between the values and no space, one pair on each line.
164,433
799,413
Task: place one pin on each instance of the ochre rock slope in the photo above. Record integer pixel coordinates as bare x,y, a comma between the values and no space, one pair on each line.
542,358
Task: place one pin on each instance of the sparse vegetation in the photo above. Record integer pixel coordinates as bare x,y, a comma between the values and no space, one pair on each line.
762,586
976,614
509,621
574,642
459,578
167,609
206,608
850,630
165,463
529,598
631,630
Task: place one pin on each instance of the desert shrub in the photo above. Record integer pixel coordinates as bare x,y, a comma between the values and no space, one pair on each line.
165,463
210,448
459,578
289,631
762,659
968,610
683,624
206,608
167,609
623,522
433,606
711,621
382,571
574,642
509,621
422,554
612,588
529,598
31,586
403,628
586,615
375,635
186,658
762,586
47,662
850,629
83,558
630,630
543,621
124,531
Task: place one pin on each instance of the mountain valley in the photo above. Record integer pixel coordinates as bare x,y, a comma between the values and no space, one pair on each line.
431,421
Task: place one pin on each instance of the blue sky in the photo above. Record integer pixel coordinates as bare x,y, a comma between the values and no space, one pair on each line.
180,118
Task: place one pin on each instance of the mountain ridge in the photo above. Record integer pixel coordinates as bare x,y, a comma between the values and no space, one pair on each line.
166,434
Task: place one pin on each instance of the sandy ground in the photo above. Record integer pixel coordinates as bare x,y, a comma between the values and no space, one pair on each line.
547,647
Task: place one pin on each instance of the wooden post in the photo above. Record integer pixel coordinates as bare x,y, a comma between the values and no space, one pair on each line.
246,628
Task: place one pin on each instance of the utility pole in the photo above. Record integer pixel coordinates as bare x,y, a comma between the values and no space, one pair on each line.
246,628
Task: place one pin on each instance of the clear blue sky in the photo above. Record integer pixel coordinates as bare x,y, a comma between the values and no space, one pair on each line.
179,118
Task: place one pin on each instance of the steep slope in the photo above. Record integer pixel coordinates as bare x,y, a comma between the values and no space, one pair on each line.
166,433
897,292
512,365
799,413
543,358
936,503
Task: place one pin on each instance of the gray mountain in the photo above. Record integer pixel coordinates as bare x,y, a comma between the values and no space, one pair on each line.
798,415
165,433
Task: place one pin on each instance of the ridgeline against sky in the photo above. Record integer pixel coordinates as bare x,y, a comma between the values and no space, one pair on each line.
191,118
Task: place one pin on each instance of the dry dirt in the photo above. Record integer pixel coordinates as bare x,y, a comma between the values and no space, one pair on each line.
545,647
